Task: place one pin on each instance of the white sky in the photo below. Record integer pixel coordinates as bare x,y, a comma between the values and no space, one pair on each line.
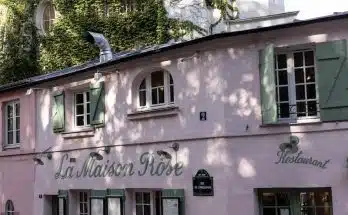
315,8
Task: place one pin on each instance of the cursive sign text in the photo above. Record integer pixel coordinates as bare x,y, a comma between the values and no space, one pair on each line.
94,168
298,158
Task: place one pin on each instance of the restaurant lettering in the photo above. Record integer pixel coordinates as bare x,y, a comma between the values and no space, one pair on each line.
94,168
286,157
289,154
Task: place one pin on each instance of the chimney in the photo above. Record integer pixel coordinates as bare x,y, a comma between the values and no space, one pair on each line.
100,41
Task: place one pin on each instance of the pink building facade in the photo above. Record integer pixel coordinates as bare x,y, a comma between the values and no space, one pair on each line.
249,122
16,163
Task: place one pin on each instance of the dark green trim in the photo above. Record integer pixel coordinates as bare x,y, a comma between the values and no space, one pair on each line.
115,193
63,193
98,194
177,194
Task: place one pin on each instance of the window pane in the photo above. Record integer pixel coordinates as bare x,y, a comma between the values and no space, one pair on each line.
284,110
142,98
18,123
79,98
284,94
17,109
81,208
154,97
17,136
9,111
281,59
138,198
88,117
282,211
309,58
311,94
139,210
161,95
268,199
79,120
307,211
283,199
142,85
147,210
301,108
171,93
269,211
310,74
10,137
298,58
300,92
170,79
299,76
87,96
283,77
312,108
322,199
157,79
79,109
146,198
88,108
10,124
323,211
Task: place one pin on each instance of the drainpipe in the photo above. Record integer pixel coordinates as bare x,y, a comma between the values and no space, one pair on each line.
100,41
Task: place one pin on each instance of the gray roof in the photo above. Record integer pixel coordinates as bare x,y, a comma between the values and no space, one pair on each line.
146,51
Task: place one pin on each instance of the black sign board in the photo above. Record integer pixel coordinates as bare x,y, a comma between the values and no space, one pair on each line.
203,184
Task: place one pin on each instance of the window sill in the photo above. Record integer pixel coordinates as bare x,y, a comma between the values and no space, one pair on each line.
17,146
86,132
152,113
289,123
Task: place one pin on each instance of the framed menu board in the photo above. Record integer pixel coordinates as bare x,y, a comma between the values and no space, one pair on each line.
170,206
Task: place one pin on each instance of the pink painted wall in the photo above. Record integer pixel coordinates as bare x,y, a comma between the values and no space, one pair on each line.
16,167
224,81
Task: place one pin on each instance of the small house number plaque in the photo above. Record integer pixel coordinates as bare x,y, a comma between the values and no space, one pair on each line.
203,184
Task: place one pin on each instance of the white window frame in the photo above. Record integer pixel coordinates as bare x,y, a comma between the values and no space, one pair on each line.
166,86
14,128
152,202
292,86
85,202
7,211
39,19
85,115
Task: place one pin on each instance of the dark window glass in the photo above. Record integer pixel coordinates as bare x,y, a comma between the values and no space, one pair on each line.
309,58
157,79
312,108
284,94
301,109
298,59
310,74
80,121
171,93
281,59
284,110
300,92
283,77
154,96
299,76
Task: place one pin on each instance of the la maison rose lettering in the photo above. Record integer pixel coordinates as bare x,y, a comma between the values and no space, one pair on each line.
94,168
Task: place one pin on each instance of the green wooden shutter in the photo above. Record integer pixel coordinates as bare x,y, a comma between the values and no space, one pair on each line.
267,84
63,202
332,76
115,201
175,194
97,99
58,112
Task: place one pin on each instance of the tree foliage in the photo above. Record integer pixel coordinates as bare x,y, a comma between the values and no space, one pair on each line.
25,53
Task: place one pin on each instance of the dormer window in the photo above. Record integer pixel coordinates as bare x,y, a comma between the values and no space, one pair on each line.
156,89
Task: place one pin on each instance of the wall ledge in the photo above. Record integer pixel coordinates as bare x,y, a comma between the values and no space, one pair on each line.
153,113
88,132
